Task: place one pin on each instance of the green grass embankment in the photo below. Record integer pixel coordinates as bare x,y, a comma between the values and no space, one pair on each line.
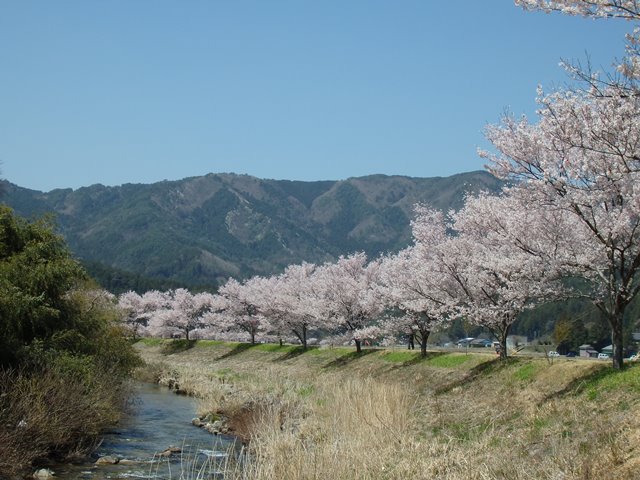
386,414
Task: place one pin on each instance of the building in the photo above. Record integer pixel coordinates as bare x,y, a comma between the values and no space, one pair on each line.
588,351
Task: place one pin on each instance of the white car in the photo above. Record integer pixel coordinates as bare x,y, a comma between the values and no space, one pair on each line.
634,358
603,356
553,353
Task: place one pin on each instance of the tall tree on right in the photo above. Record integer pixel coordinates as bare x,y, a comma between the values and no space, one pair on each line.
582,158
627,9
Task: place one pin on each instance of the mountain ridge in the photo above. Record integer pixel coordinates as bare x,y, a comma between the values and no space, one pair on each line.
200,230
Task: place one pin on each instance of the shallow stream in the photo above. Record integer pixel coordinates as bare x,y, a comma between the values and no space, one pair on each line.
158,420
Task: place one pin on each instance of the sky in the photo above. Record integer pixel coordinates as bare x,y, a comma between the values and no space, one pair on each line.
148,90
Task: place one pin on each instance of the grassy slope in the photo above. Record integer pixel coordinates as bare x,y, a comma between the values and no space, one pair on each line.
389,414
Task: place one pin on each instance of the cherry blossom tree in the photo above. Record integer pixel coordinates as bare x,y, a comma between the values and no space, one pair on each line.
499,276
299,290
626,79
347,295
186,311
270,304
583,158
142,312
289,301
130,303
409,282
474,272
238,306
626,9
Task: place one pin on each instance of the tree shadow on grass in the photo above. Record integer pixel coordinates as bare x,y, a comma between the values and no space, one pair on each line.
589,382
418,359
347,358
292,353
483,368
239,348
177,346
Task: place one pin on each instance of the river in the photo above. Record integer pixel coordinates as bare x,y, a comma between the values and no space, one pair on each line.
158,419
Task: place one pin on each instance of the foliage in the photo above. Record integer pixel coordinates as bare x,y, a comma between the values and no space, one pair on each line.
626,9
63,356
48,306
117,281
36,273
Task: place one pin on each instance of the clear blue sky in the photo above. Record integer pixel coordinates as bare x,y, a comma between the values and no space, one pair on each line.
124,91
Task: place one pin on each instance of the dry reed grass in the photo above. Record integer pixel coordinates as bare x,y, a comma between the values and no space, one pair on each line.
49,415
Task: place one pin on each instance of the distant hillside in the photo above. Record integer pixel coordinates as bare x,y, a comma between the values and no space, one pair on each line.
201,230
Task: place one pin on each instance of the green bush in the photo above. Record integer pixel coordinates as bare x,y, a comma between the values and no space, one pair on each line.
63,357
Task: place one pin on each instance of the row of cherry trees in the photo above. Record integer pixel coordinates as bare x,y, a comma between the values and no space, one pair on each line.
335,298
571,210
460,267
488,262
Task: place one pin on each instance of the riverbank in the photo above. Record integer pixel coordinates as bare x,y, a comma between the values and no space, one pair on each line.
329,413
153,439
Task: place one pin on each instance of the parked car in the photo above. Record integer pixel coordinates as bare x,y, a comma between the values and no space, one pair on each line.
571,354
553,353
603,356
634,358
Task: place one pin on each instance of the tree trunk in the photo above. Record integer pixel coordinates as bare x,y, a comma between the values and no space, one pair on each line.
304,337
616,340
358,346
253,337
503,348
423,344
503,333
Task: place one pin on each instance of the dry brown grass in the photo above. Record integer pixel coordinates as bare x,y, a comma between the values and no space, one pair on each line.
331,414
50,415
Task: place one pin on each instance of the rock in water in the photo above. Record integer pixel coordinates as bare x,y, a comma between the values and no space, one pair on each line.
43,474
169,451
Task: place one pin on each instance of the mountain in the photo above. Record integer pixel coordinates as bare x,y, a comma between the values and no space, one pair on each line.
201,230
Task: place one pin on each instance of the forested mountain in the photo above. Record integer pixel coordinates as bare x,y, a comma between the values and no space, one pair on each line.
201,230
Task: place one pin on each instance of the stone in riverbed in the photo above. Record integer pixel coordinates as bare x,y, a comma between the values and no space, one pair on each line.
107,460
197,422
43,474
214,427
170,451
